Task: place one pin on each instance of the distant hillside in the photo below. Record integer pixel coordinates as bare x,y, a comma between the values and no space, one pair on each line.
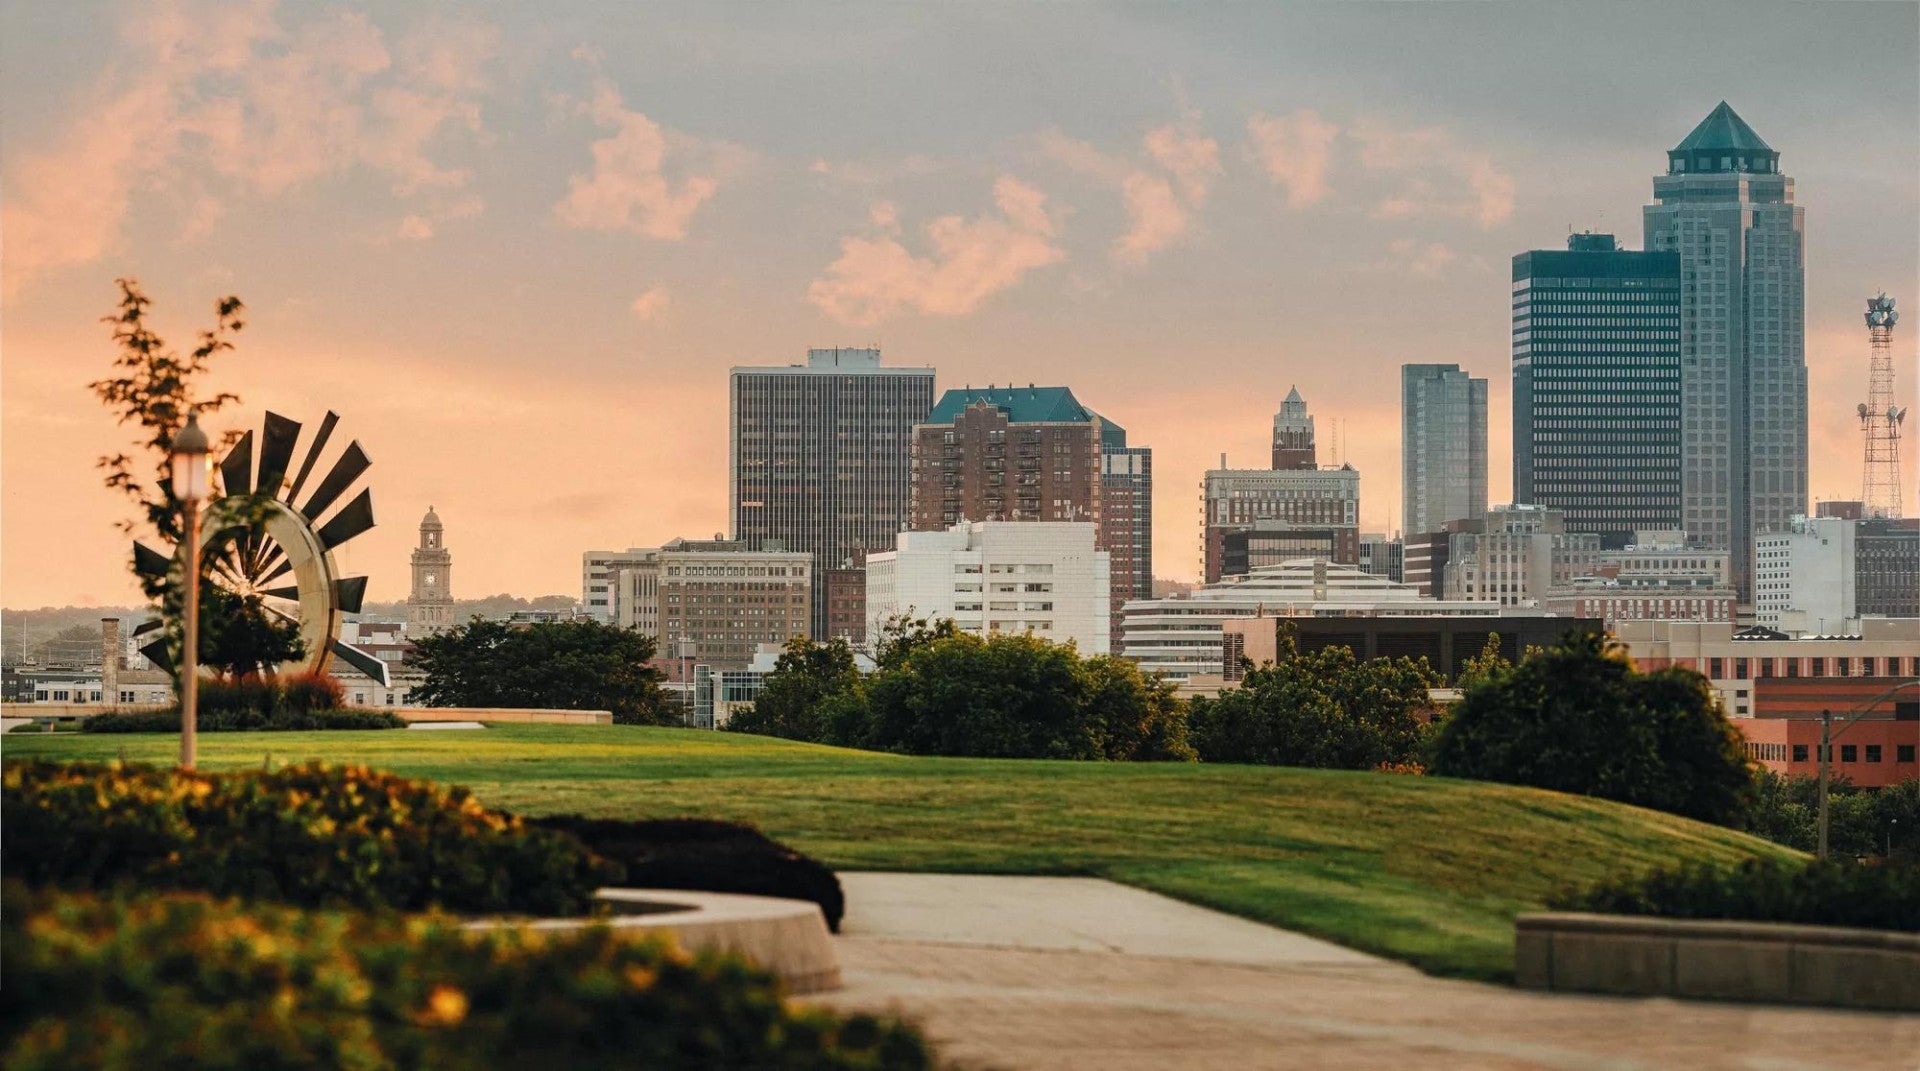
490,606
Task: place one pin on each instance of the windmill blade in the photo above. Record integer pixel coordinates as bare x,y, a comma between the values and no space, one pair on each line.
313,453
363,662
353,461
146,626
156,653
356,518
350,592
276,449
236,469
150,562
291,594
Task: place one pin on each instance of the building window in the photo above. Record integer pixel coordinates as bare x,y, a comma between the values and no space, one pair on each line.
1903,753
1873,753
1849,753
1799,752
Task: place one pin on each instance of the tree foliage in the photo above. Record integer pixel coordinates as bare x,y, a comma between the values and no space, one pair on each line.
568,665
1325,708
1011,696
1860,822
794,698
1578,717
239,638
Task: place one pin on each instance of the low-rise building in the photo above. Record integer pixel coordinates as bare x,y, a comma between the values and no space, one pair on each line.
1516,555
1734,660
1886,567
1382,556
1804,581
1310,499
1446,642
1044,577
1181,636
1877,750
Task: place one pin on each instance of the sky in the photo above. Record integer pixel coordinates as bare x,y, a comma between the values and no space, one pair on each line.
518,246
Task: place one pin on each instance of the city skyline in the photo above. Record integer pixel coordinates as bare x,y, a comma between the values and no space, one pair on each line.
1189,189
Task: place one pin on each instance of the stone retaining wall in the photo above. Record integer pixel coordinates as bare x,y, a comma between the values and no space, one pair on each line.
1712,960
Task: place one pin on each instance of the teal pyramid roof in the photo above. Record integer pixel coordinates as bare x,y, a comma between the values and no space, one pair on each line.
1025,405
1723,131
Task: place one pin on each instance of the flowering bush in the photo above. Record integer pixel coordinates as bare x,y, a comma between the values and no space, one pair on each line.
181,980
310,834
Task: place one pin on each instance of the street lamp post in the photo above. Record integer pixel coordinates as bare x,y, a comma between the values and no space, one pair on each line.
192,482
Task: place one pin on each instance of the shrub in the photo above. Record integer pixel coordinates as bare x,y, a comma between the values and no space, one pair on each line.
1324,708
311,834
176,981
572,665
168,721
1580,718
311,691
709,856
1834,893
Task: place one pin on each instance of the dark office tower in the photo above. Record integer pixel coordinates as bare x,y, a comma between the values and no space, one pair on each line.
1293,446
1443,446
820,463
1597,387
1036,454
1726,210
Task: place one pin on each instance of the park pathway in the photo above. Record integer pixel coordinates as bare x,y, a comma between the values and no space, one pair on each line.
1017,973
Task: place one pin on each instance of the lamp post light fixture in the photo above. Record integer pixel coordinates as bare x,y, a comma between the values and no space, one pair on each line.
192,464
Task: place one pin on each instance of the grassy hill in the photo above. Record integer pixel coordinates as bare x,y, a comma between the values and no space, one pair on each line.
1426,870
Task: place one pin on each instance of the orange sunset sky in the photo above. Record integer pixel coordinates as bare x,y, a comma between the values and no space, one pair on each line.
518,247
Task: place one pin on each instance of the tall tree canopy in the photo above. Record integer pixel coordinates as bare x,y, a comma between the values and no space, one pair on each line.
569,665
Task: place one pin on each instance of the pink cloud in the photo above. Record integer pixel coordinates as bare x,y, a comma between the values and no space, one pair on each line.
226,96
1296,151
972,259
1465,182
629,188
651,303
1160,203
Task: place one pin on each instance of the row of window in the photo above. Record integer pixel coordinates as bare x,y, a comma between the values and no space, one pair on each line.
1871,754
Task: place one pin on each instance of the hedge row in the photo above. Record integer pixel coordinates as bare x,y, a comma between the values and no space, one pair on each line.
244,720
1834,893
178,981
312,834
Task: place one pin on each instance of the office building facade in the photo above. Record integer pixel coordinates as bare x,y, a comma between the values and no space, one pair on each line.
1804,582
819,461
1516,555
1597,426
1725,210
1047,578
1443,446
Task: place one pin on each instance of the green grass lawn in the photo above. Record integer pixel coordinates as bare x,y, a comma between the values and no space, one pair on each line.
1422,869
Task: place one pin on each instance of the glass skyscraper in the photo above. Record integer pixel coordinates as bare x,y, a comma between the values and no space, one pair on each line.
820,462
1597,387
1727,213
1443,446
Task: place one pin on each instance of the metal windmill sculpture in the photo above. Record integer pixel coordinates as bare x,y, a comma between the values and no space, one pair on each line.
287,559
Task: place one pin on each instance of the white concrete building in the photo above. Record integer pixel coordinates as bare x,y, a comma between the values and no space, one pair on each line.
1180,637
1043,577
1804,583
598,577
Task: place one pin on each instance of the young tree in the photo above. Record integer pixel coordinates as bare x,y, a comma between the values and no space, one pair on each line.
1580,718
239,638
569,665
794,698
154,389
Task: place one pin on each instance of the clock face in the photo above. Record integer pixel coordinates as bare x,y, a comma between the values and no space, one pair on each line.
428,578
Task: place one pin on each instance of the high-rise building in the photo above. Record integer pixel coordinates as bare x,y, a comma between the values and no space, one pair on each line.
1515,555
1041,577
1724,207
1037,454
1443,446
1596,386
1274,500
1293,445
819,460
430,602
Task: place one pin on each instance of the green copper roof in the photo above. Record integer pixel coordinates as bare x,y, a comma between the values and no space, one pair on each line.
1027,405
1723,131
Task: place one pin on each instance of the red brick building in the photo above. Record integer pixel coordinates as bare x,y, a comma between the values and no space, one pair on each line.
1882,748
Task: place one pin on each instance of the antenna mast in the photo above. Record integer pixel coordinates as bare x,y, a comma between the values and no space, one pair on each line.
1880,418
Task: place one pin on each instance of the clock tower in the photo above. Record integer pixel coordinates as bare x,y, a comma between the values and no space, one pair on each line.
430,606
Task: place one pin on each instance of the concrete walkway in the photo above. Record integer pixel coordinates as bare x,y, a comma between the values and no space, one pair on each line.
1013,973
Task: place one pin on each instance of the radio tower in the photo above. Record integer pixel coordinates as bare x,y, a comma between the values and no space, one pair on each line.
1880,419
